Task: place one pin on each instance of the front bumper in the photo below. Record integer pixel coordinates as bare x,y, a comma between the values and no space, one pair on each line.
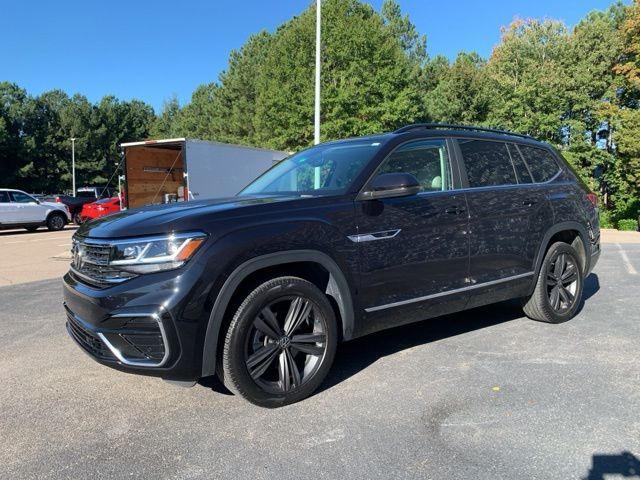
150,325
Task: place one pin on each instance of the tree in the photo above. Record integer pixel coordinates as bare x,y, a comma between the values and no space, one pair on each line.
462,93
629,65
197,118
367,80
528,78
12,102
167,124
414,44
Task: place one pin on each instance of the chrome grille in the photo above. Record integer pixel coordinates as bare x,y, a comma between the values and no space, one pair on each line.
90,264
97,254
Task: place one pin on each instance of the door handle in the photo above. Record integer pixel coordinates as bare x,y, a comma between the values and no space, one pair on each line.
529,202
455,210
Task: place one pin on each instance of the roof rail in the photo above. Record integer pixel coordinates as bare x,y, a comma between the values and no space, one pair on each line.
451,126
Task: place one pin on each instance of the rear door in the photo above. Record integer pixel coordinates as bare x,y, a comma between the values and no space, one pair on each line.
414,250
502,202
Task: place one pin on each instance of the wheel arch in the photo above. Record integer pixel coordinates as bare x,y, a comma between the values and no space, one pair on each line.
562,231
337,288
55,211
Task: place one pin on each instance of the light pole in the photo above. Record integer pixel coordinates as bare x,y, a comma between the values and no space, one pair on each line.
316,137
73,165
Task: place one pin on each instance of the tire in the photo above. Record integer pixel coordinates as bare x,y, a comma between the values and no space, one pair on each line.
56,221
31,229
553,301
77,218
280,344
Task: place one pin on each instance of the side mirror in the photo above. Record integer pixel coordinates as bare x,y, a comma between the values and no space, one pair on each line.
390,185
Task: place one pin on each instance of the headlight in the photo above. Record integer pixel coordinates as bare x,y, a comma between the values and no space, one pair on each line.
155,254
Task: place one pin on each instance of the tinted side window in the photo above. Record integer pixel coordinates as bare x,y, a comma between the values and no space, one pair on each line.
541,162
427,160
4,197
522,172
20,197
487,163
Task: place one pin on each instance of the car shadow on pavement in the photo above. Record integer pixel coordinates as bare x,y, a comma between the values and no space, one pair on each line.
21,232
625,464
356,355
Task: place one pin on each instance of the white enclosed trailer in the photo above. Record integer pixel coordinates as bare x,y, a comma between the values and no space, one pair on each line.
180,169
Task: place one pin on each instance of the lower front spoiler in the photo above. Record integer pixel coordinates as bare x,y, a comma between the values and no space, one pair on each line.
116,348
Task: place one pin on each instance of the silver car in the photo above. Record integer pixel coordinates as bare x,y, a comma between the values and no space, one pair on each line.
20,210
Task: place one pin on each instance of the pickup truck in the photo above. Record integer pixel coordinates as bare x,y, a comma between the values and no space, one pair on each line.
84,195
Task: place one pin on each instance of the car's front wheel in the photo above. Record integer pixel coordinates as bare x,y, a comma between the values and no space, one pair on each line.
558,290
56,221
280,344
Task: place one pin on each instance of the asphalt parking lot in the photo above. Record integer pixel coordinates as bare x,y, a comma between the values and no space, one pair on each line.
481,394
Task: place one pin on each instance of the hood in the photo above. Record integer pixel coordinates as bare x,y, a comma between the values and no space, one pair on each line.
59,206
179,216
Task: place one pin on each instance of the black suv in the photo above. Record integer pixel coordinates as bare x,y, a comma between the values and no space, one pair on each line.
337,241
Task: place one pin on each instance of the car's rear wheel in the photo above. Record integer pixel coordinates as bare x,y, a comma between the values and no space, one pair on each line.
558,290
56,221
280,344
77,218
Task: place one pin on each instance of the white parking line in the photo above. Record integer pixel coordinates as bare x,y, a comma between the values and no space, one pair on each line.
627,263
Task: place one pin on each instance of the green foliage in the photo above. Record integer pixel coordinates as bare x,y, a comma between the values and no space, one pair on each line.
462,95
35,132
528,80
628,224
578,89
414,44
167,125
605,219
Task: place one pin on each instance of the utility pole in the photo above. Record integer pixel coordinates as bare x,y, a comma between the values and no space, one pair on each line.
73,165
316,138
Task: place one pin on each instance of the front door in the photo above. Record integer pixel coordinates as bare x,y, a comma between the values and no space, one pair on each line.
28,210
413,250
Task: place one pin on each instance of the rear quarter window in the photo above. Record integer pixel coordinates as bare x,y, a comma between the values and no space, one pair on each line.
542,163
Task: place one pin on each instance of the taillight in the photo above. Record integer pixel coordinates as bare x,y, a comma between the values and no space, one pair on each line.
58,200
593,198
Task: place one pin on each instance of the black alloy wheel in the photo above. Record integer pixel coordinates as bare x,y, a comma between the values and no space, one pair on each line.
562,282
56,221
280,343
286,344
558,291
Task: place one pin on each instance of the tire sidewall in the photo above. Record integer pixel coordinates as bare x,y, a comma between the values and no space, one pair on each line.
555,250
52,218
234,366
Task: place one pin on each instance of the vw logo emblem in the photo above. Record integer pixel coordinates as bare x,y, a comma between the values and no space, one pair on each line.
78,256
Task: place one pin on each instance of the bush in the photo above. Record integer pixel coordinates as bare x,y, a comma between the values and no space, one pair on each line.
628,224
605,219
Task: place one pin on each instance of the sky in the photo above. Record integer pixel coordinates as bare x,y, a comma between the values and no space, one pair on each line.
152,50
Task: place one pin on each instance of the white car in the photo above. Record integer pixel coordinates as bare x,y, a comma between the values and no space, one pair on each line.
21,210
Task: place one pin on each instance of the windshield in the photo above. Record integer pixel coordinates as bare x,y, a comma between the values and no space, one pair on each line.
86,194
325,169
